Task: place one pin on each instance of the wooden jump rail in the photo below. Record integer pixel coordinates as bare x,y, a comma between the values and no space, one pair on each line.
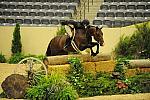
60,60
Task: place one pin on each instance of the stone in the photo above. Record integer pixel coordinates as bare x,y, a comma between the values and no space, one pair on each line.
15,86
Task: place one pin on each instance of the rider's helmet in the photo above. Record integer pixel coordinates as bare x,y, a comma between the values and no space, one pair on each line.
86,22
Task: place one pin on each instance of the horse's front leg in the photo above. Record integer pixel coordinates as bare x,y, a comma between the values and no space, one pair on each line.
91,45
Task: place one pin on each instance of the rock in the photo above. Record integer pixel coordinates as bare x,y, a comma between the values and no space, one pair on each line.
15,86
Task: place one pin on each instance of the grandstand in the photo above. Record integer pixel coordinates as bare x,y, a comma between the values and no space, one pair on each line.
41,19
119,13
111,13
36,12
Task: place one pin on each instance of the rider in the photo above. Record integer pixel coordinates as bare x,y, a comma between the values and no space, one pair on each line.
76,25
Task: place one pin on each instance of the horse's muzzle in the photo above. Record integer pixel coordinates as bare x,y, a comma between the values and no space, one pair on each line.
102,44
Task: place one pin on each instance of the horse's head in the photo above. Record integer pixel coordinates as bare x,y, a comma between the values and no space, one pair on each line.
97,33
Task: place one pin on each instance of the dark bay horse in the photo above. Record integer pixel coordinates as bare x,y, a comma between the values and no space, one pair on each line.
97,33
82,39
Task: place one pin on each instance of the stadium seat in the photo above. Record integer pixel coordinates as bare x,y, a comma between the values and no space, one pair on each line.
45,21
118,0
110,14
28,7
63,7
104,7
146,14
19,21
32,14
1,13
45,7
11,6
68,14
72,7
27,21
50,14
117,23
138,14
146,1
113,7
129,0
59,14
129,14
119,14
138,0
15,13
24,13
122,7
41,14
6,13
10,21
97,22
131,7
20,6
2,20
147,6
100,14
36,21
54,21
3,6
36,7
108,0
128,22
55,7
140,7
109,23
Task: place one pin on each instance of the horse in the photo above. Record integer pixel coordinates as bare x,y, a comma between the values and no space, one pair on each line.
82,41
97,33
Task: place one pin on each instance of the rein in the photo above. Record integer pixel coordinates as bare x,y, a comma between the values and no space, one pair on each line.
73,44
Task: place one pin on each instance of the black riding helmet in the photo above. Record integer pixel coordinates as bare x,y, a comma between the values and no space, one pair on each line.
86,22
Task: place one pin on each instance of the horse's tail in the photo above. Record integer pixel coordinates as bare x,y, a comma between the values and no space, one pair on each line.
48,52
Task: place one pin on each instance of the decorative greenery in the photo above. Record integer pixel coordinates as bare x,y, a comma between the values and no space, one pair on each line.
75,75
53,87
61,31
14,59
121,66
104,83
2,58
16,42
140,83
136,46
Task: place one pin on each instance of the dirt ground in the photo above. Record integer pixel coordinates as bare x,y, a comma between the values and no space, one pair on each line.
8,70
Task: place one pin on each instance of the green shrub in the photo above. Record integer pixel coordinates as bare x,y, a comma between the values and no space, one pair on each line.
53,87
137,45
140,83
102,83
14,59
75,75
17,57
2,58
16,42
61,31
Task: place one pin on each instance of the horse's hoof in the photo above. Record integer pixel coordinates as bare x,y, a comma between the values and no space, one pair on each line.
93,54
